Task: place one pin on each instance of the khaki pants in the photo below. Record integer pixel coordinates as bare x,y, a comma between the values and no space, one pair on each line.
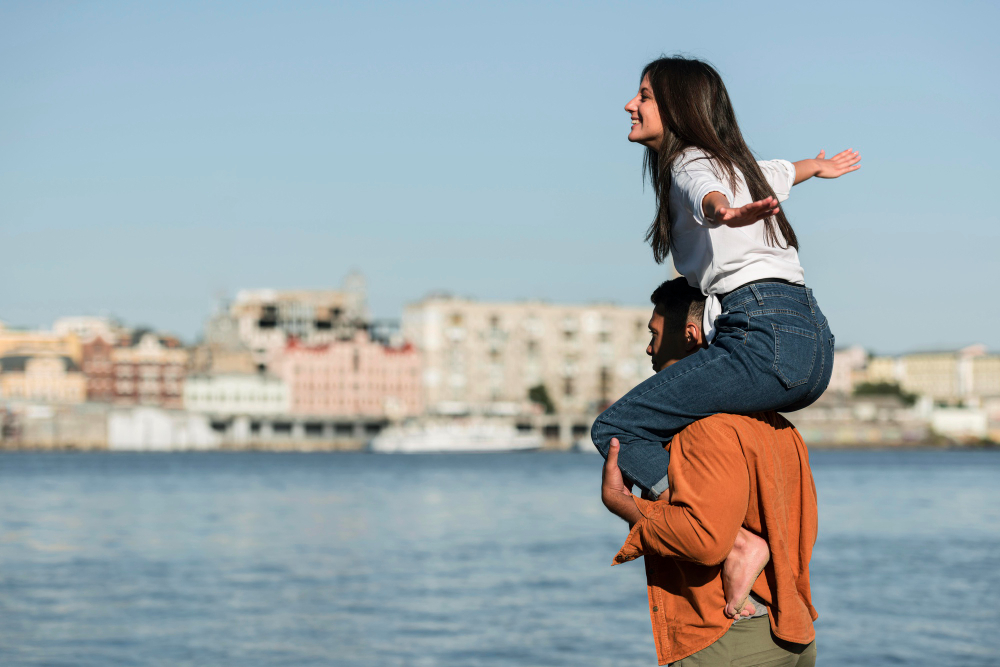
749,643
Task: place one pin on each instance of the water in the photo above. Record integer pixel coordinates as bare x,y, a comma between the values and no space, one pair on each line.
258,559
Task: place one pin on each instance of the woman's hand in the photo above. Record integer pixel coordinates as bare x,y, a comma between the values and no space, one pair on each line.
717,211
821,167
838,165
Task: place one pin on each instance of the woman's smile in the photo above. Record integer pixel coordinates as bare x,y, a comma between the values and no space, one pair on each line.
646,127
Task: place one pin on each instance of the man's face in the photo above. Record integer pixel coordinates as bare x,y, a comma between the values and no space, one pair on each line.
665,347
669,341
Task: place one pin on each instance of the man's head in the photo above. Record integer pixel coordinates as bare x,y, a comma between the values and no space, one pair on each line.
675,327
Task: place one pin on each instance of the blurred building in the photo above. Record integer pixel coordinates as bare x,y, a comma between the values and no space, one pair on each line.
150,371
98,366
487,356
968,375
960,423
847,362
86,327
44,377
943,376
882,370
266,319
236,394
145,428
222,351
29,342
838,420
986,375
48,425
354,377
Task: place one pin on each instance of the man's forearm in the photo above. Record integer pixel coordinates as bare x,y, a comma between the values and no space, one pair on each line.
709,493
677,532
623,506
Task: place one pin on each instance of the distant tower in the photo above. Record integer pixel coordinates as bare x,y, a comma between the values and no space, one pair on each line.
356,290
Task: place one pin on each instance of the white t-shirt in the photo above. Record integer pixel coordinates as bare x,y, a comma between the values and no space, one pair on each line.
716,258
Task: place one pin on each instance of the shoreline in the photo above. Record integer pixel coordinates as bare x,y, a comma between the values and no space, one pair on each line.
351,447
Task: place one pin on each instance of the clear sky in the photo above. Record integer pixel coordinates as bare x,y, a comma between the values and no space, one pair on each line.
155,155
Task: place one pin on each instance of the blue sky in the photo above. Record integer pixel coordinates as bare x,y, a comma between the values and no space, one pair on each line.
153,156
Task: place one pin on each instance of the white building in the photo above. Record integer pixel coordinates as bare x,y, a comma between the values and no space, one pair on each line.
227,395
156,429
960,423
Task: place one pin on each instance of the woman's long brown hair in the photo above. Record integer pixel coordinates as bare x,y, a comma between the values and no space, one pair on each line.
696,112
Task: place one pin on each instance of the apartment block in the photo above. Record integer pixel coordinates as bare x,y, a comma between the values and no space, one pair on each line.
948,376
356,377
43,377
487,356
99,367
150,371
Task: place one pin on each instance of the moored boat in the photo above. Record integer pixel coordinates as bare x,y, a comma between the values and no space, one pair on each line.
454,437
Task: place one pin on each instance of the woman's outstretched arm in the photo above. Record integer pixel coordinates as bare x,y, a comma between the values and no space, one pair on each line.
822,167
715,207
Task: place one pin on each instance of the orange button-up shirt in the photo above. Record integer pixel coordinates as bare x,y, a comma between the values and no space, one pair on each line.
726,471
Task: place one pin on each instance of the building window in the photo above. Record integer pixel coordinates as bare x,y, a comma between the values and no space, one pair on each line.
605,383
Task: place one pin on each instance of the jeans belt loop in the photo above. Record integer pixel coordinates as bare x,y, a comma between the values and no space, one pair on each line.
812,301
756,293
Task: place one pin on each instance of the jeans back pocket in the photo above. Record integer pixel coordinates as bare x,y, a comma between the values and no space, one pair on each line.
794,354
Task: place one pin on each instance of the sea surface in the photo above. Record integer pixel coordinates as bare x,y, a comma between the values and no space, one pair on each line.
257,559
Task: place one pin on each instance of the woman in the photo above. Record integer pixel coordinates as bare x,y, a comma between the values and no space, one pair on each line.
718,215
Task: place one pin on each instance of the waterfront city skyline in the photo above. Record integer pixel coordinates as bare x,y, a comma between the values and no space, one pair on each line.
155,157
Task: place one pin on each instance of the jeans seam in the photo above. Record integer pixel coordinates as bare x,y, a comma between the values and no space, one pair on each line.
822,368
770,311
783,291
785,328
773,295
782,311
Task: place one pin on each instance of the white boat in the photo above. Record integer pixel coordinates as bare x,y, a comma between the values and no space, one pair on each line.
454,437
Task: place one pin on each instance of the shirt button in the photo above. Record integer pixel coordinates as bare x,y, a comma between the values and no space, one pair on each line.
656,609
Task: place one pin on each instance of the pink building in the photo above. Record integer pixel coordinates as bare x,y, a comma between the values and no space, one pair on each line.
357,377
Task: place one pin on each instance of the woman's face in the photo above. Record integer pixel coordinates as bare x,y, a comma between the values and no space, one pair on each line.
646,126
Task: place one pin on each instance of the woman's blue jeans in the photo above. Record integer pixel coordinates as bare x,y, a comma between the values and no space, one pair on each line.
773,350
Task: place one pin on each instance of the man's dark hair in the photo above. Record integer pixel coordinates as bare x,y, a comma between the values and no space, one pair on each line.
678,302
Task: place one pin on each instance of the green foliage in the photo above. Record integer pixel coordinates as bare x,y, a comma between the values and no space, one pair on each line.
540,395
884,389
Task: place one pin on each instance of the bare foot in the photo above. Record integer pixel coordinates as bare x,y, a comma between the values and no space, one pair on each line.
740,570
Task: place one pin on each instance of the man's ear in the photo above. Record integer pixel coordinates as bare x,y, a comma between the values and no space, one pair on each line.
692,336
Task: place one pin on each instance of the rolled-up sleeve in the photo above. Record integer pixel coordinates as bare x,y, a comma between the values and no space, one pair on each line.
706,504
696,179
780,175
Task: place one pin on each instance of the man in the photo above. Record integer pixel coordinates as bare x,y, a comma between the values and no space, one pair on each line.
728,474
